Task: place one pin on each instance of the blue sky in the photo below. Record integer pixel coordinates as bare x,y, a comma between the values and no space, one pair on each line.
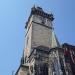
14,14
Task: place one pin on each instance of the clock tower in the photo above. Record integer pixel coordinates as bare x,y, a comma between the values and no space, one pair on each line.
40,38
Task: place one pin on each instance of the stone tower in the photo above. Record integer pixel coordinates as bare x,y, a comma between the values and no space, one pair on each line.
40,38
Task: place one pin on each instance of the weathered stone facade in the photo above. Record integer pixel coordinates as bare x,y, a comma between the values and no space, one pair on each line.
43,55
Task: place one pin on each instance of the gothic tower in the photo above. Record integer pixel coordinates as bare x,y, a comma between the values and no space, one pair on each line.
40,38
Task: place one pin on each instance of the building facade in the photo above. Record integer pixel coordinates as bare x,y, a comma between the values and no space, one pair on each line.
43,55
